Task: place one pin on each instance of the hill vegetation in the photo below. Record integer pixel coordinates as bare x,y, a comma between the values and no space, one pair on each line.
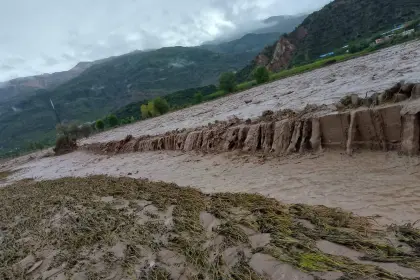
93,90
340,23
123,84
250,43
110,85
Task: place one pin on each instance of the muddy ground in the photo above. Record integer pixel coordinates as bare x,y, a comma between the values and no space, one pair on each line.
368,183
120,228
364,75
89,227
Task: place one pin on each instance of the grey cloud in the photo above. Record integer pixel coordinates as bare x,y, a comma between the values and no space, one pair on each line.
84,30
49,61
5,67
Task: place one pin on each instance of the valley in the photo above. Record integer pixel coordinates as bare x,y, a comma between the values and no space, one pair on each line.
309,174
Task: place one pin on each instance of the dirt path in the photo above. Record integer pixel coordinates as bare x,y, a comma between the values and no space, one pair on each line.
369,183
364,75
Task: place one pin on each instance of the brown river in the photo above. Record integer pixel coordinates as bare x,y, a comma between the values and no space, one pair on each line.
384,185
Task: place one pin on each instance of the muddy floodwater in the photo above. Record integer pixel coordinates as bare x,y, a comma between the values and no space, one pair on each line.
362,76
381,184
385,185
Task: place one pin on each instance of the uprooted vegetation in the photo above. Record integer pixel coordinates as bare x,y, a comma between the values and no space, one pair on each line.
4,174
136,229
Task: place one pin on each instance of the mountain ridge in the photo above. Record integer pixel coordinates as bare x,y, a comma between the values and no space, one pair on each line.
334,26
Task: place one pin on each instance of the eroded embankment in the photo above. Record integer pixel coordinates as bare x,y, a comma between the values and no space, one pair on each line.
389,127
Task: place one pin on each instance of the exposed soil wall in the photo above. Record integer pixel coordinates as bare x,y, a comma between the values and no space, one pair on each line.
388,126
380,128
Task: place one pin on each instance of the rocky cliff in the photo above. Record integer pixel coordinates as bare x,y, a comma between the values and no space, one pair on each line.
280,58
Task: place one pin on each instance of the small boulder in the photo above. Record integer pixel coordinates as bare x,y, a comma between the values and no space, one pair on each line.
415,93
399,97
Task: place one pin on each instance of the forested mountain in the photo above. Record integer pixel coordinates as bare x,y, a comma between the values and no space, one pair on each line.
334,26
92,90
107,86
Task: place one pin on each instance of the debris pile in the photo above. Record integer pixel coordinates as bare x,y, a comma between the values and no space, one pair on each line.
120,228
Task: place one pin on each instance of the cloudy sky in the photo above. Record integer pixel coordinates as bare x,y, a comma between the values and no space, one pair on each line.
43,36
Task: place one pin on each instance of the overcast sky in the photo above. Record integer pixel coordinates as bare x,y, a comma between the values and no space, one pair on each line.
43,36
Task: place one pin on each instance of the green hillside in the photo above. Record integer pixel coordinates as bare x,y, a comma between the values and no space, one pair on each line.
251,43
110,85
343,21
338,24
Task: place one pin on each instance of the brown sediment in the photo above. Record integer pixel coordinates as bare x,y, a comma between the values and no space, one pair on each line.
387,127
367,128
252,141
121,228
282,134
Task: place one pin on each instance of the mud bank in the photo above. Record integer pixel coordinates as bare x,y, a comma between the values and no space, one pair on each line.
386,128
364,75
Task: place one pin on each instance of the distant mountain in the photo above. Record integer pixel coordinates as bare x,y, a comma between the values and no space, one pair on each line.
281,24
276,25
334,26
109,85
22,87
93,89
251,43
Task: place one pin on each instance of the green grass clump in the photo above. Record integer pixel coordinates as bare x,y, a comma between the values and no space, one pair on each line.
233,234
317,262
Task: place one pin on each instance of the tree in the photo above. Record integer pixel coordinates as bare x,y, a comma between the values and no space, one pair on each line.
144,111
261,75
100,124
112,120
161,105
85,130
151,109
198,98
73,131
227,82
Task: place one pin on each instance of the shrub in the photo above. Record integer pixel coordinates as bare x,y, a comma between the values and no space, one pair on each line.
151,109
113,120
144,111
227,82
85,130
127,120
198,98
214,95
100,125
161,105
246,85
71,130
64,144
261,75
